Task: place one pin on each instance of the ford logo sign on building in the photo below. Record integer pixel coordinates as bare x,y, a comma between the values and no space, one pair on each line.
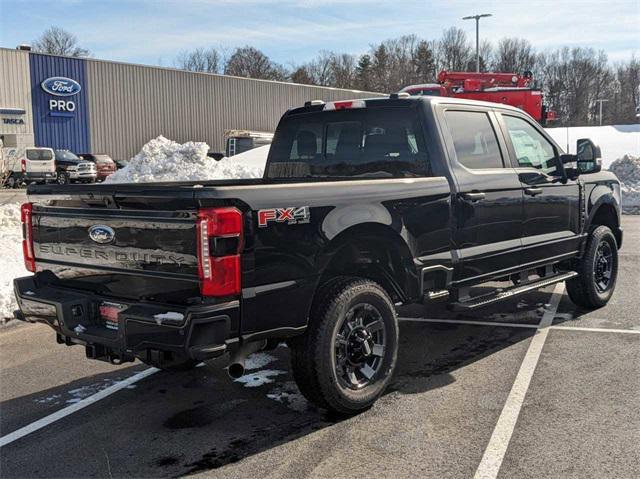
102,234
61,86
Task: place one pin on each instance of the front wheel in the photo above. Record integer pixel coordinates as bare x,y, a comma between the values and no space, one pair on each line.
347,357
597,271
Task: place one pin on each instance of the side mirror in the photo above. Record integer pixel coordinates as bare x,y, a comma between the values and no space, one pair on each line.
589,156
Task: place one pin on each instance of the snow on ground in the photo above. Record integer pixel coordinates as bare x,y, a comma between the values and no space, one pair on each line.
165,160
258,360
615,141
12,262
259,378
627,169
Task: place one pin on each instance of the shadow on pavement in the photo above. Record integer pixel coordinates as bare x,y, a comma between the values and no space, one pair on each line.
173,424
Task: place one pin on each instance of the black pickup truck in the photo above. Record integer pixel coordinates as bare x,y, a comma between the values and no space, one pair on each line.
364,205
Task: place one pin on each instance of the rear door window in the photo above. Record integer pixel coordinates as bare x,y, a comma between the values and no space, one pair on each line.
474,139
39,155
370,142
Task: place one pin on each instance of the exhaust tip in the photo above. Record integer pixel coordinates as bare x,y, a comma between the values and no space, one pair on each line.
235,370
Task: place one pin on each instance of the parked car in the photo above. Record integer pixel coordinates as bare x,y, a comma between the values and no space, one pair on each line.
70,168
28,165
364,205
104,164
120,164
239,141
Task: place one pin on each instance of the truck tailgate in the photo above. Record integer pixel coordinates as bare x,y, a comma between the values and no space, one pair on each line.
153,243
111,239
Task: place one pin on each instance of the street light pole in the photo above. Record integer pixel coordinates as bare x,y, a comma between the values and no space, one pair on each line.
601,101
477,19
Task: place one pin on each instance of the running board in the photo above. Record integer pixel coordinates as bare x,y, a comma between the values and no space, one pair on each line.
506,293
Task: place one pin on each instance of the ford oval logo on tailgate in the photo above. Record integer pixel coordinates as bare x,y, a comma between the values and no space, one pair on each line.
102,234
61,86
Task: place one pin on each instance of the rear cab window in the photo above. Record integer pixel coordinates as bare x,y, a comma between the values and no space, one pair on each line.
362,143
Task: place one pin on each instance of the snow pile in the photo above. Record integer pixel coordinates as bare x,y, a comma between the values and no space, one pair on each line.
627,169
12,262
165,160
615,141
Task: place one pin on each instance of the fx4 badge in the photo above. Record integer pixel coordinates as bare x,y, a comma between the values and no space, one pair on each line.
291,215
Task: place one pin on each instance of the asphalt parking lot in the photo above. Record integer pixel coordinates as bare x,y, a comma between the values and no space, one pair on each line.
532,387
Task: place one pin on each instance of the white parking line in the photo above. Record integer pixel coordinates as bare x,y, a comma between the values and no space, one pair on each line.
468,321
45,421
497,447
596,330
518,325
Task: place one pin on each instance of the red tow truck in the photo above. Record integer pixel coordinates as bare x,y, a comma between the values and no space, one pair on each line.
508,88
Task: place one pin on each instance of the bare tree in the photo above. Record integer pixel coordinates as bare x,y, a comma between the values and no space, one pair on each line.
343,68
301,75
514,55
320,69
56,41
250,62
454,50
200,60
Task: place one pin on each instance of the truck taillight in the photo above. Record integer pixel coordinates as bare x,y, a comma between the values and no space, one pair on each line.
23,166
26,215
219,244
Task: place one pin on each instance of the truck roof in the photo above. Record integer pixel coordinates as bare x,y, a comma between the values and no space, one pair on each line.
317,105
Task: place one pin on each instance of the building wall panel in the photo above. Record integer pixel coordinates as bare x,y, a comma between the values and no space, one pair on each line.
65,132
15,92
131,104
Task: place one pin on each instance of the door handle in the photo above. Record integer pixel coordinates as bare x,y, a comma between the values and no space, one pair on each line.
532,191
473,197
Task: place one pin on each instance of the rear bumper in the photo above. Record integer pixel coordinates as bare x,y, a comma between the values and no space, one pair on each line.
39,176
201,333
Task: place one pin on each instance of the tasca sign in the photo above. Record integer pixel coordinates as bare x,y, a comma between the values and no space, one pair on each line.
61,87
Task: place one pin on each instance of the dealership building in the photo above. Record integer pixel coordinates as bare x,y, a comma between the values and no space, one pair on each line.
88,105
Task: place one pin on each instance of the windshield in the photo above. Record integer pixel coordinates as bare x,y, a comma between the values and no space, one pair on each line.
66,155
102,158
369,142
39,155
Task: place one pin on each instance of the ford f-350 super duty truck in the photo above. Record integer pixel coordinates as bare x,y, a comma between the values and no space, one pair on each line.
364,205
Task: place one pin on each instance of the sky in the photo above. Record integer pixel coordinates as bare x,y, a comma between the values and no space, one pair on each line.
292,32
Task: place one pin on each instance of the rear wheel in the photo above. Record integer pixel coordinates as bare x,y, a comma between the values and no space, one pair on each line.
11,182
63,178
346,359
597,271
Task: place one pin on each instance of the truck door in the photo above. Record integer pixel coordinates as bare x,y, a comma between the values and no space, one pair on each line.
551,202
488,202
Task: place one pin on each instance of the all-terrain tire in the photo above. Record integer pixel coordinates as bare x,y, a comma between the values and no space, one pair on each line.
584,290
313,355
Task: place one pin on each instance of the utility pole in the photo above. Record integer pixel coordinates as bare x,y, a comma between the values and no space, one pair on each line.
477,19
601,101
